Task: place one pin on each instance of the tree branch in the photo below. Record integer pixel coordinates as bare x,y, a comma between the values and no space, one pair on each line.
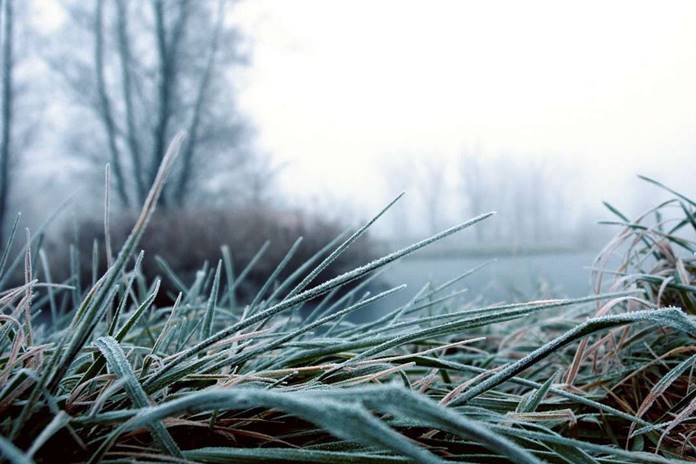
105,105
188,155
131,131
167,51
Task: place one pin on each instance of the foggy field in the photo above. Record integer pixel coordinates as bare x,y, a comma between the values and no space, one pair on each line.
133,373
365,232
506,278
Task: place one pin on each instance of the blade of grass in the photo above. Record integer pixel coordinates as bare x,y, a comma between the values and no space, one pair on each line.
118,364
313,292
92,306
669,317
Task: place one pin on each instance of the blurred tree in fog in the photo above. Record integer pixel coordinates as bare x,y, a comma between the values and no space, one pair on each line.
472,187
144,70
6,112
525,191
18,115
531,193
432,189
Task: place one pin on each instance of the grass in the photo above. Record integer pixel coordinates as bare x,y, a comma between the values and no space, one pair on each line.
607,378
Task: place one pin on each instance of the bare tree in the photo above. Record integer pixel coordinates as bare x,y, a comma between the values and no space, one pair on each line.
432,187
125,60
529,193
168,42
472,185
201,99
7,105
156,67
104,105
399,176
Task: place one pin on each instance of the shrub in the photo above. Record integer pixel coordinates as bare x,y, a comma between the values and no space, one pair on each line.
187,239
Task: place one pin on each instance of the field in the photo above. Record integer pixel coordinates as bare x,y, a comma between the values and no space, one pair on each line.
604,376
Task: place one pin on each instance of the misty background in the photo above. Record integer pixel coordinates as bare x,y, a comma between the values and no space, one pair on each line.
307,117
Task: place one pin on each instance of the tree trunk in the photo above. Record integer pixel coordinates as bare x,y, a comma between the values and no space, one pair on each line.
189,152
6,131
132,135
167,53
105,105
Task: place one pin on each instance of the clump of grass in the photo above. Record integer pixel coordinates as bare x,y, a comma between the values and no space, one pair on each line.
204,380
656,253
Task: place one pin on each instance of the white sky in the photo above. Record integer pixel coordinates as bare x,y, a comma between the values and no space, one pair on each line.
337,86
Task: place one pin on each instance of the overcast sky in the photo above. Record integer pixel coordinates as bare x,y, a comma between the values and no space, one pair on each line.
336,86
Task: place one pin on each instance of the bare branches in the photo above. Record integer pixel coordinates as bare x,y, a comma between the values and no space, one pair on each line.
149,71
167,47
105,112
124,54
188,155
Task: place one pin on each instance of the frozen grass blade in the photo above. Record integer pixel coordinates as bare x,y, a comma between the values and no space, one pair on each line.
59,421
664,187
8,245
169,272
316,291
662,385
406,403
242,275
119,365
532,402
306,328
289,393
98,363
670,317
285,455
302,269
341,248
212,302
345,420
93,305
13,454
274,275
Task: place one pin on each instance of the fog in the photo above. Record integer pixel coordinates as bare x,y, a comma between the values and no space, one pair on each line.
599,91
538,111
